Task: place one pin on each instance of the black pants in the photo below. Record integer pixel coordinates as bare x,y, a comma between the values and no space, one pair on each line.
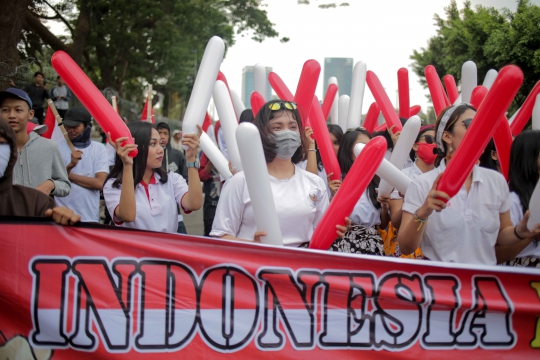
62,113
38,114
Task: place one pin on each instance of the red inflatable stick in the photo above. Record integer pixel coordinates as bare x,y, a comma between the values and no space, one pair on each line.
481,129
279,87
382,127
352,188
435,89
525,112
382,99
502,136
222,77
403,90
306,88
257,102
91,98
372,117
415,109
329,100
324,143
451,88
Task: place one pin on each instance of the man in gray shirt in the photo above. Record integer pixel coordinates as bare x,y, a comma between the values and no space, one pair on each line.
61,95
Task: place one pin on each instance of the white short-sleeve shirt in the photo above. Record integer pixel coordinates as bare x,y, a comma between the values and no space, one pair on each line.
516,214
365,213
300,203
412,173
466,231
320,173
82,201
157,210
111,154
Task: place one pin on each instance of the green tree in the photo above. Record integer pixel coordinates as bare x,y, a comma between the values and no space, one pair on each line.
487,36
127,43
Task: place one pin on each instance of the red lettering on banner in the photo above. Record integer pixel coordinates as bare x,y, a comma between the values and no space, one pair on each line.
50,277
228,318
225,305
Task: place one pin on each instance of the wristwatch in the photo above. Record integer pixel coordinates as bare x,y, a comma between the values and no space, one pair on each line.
195,164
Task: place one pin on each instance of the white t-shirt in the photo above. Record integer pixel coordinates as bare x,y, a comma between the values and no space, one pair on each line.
82,201
466,231
365,213
320,173
157,209
300,203
412,173
111,154
516,214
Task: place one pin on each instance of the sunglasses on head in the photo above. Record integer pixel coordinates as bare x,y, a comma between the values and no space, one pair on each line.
467,123
430,139
282,104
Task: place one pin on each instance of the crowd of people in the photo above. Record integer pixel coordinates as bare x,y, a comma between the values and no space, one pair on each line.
485,223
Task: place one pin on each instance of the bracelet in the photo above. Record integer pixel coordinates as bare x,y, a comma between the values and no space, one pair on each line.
515,233
312,150
417,219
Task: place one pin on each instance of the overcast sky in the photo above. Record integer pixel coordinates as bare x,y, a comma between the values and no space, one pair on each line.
382,34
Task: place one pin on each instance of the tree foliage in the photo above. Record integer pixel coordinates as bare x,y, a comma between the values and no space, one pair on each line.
487,36
127,43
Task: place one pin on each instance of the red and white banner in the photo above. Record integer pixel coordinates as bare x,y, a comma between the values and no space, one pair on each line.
90,291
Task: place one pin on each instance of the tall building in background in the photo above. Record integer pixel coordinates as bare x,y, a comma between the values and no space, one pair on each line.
342,69
248,85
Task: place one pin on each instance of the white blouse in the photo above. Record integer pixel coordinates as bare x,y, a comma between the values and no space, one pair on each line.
157,209
300,203
467,230
516,214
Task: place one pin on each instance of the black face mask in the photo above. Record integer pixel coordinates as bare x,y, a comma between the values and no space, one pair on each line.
83,139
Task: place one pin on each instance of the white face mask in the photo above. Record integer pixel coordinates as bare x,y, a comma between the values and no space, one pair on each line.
287,142
5,154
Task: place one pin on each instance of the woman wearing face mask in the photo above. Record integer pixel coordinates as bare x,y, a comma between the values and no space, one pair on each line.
524,174
140,194
467,227
300,197
368,215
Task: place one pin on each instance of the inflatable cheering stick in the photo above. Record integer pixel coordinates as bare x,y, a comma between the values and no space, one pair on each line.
331,93
258,183
257,102
91,98
403,90
228,121
351,190
382,99
354,115
481,129
525,111
306,88
322,137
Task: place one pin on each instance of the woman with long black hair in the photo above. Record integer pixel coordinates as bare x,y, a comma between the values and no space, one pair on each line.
467,227
139,193
524,174
368,215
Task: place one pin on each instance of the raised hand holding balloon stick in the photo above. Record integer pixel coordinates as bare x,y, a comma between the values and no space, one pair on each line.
350,191
382,99
91,98
481,130
403,91
322,137
203,86
402,149
258,183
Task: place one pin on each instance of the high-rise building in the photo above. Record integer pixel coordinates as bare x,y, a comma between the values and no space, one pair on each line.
248,85
342,69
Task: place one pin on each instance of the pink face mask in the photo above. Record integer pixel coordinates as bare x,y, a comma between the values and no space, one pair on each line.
425,152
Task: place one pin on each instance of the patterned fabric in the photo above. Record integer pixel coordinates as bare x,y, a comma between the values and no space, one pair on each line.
360,240
528,261
391,246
